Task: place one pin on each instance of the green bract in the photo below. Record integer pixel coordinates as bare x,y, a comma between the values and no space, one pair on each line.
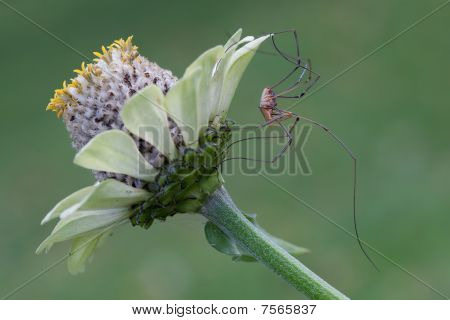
197,106
220,241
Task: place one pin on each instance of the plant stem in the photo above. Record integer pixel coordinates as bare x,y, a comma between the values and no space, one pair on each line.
221,210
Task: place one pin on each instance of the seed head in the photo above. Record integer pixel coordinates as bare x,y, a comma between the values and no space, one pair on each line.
93,100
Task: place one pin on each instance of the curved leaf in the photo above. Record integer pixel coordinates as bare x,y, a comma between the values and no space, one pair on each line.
81,223
208,91
67,204
220,241
113,194
181,102
115,151
233,39
206,59
107,194
83,248
144,115
235,69
227,245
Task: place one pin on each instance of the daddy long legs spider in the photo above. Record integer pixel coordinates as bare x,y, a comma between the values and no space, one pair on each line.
273,114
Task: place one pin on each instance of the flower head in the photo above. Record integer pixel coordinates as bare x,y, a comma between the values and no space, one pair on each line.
154,143
92,101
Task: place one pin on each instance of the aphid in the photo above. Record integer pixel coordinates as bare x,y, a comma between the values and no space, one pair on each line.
275,115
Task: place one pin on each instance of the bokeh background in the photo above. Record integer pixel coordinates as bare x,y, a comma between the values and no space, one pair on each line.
392,110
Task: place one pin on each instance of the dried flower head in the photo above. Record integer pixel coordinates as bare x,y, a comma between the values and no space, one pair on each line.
92,102
154,143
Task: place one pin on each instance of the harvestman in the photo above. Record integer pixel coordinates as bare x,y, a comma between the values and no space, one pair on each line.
274,115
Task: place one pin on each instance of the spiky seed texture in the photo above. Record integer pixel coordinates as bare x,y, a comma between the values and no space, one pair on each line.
142,177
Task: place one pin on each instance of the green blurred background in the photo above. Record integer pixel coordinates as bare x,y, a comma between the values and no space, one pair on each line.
392,110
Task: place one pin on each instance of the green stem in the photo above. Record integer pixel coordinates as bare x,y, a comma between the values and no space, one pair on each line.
221,210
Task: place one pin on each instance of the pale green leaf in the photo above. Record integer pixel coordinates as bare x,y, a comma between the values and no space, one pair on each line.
93,208
83,248
68,204
81,223
115,151
233,39
208,91
113,194
107,194
245,40
219,73
290,247
144,115
220,241
181,104
208,58
235,68
212,64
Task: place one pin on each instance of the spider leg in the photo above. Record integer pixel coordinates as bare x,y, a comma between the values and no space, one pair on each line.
354,159
287,134
289,58
282,114
310,85
274,119
290,139
298,82
284,78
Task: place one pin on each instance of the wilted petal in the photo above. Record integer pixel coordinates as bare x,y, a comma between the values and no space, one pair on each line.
144,115
115,151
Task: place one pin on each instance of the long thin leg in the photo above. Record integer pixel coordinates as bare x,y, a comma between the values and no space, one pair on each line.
342,145
350,153
309,82
236,44
288,134
274,119
290,139
252,138
298,82
294,60
305,68
284,78
283,54
282,95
